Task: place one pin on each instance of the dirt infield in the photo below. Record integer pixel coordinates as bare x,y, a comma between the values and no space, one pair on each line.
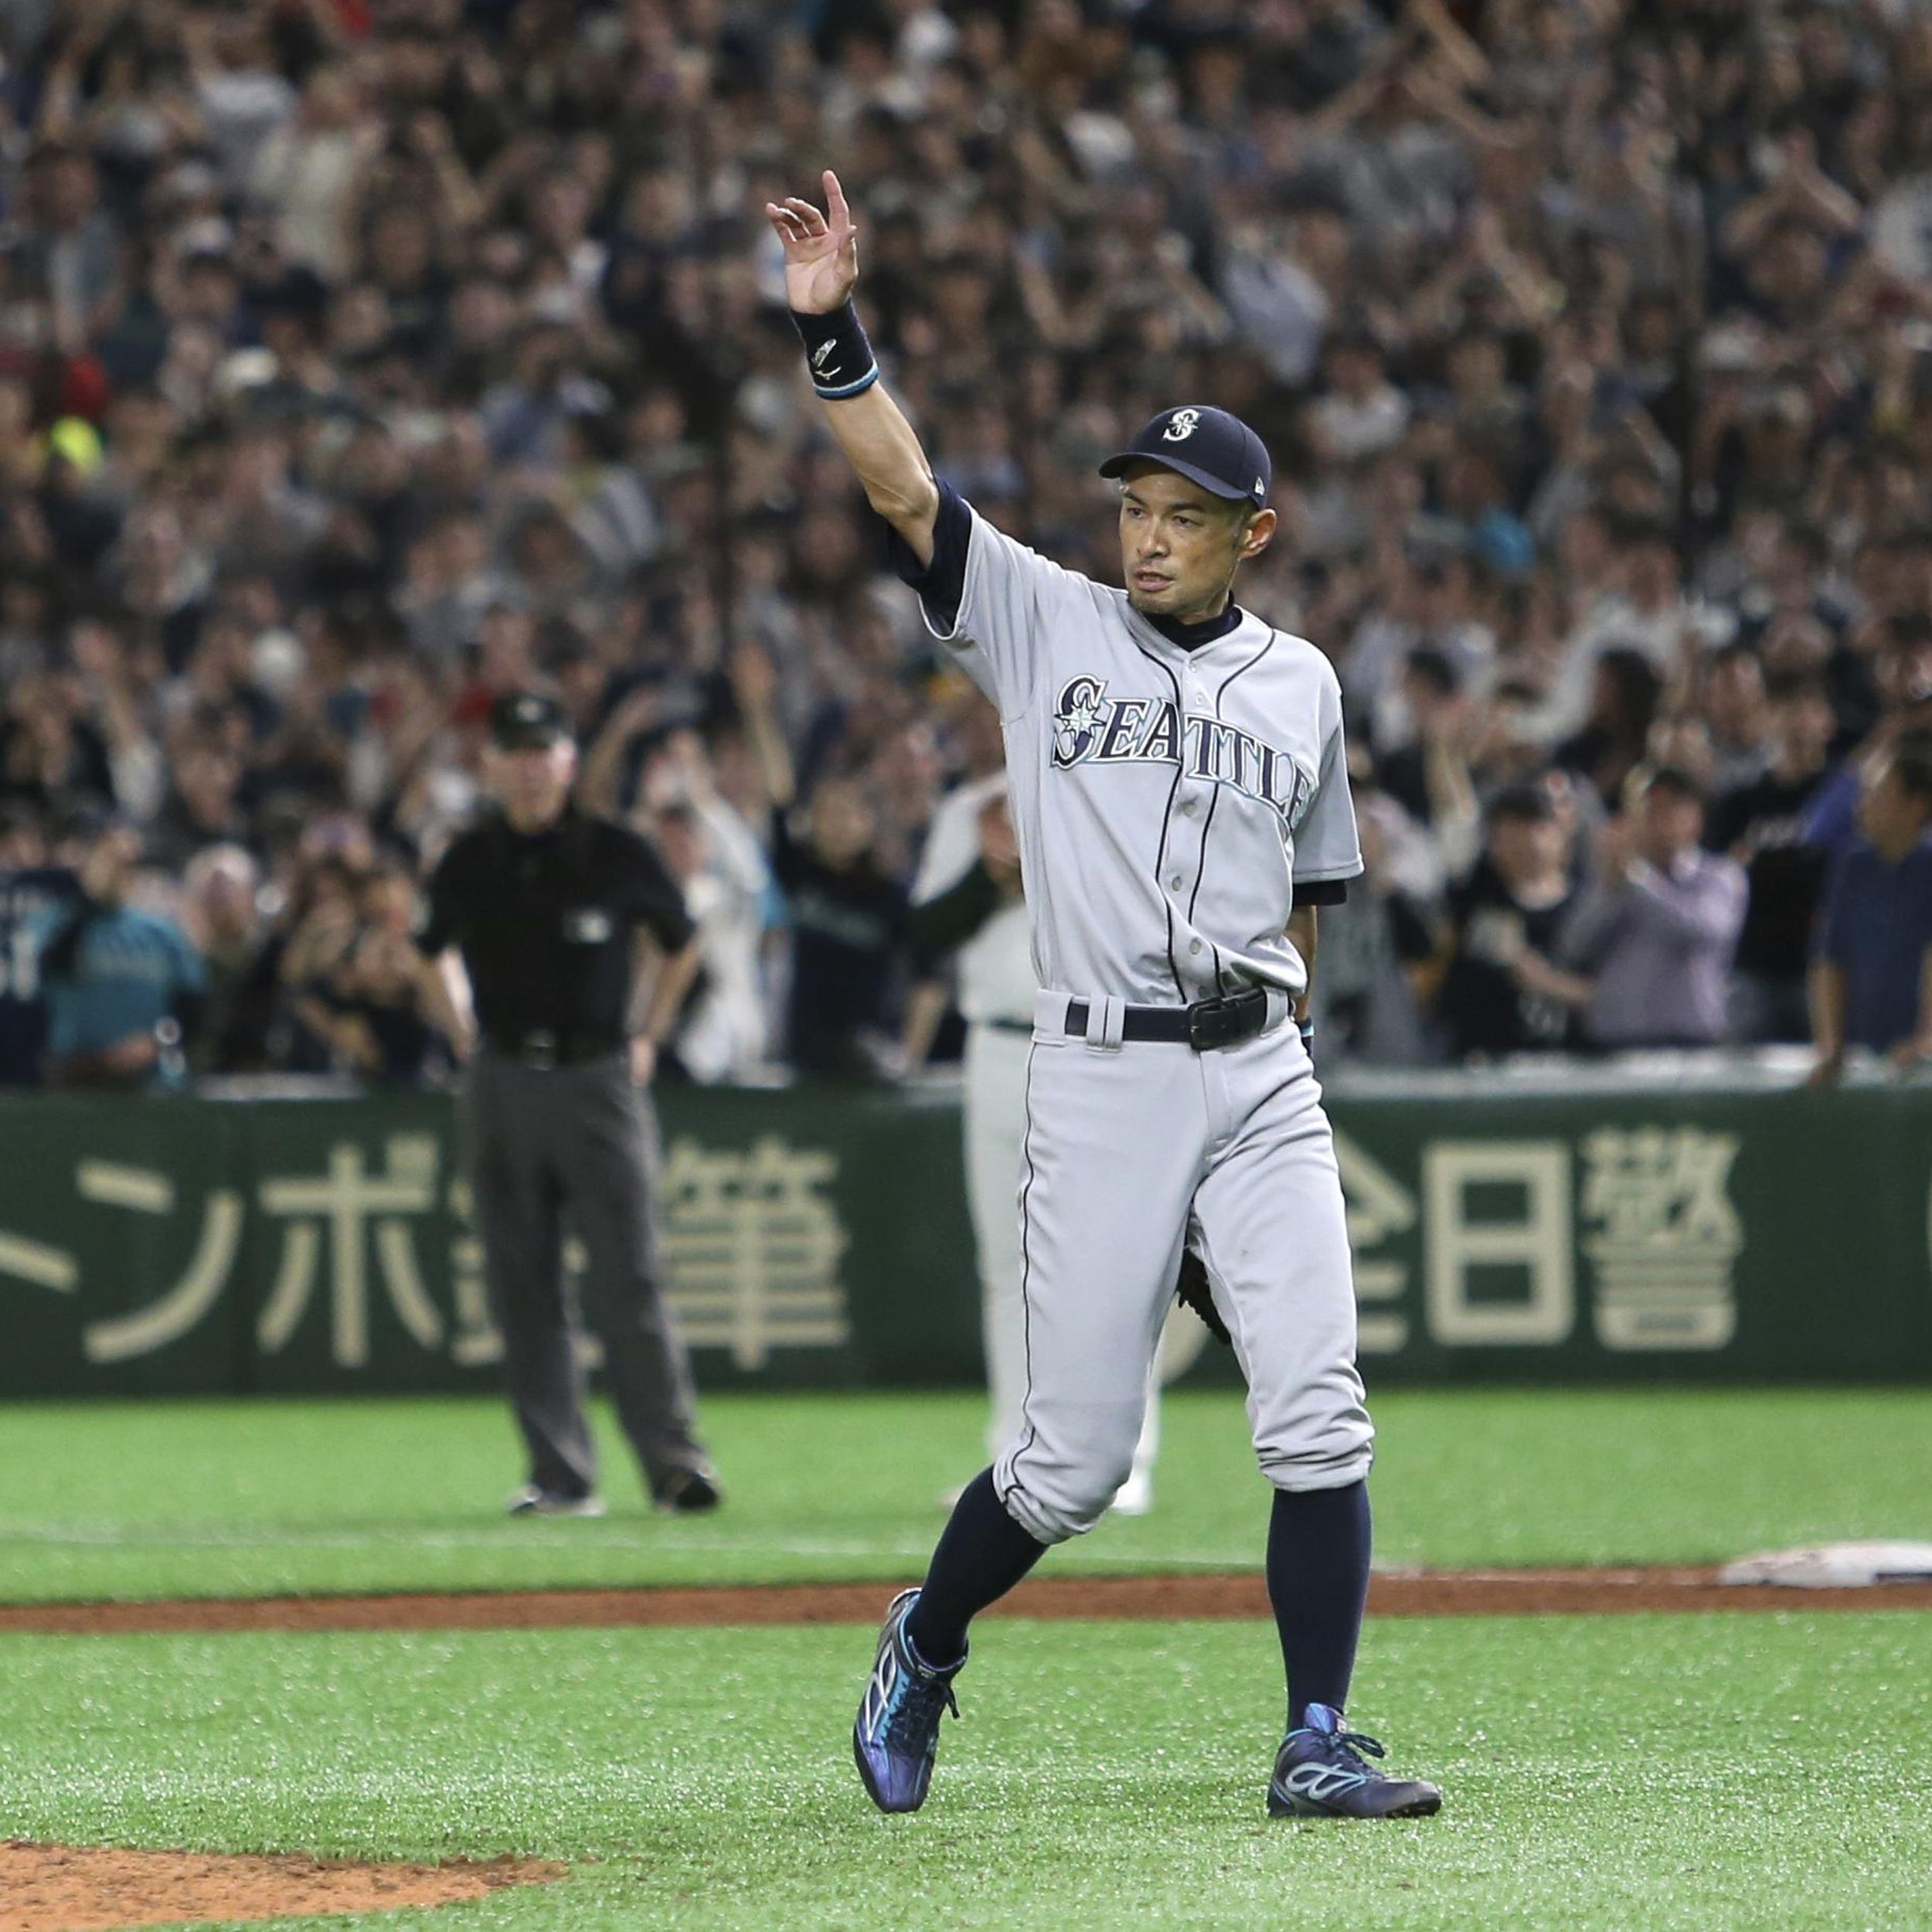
1462,1593
61,1888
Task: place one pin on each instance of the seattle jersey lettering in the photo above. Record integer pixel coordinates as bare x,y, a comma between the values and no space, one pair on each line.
1091,728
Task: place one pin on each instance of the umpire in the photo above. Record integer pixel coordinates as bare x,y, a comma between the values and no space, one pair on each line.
536,915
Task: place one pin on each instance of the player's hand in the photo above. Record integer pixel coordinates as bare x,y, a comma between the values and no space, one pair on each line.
821,251
644,1059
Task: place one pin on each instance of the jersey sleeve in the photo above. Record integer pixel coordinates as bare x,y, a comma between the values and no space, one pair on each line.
995,626
1326,846
940,584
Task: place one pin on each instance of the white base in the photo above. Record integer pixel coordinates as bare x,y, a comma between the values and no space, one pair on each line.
1854,1565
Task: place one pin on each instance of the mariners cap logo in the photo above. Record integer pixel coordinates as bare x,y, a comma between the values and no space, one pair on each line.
1182,424
530,711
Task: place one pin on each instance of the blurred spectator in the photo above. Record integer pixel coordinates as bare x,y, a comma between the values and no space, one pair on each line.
1431,778
123,986
849,914
360,989
1901,683
723,874
1655,931
1503,991
1374,948
1735,717
31,892
224,921
310,951
1761,825
1872,986
718,864
1616,734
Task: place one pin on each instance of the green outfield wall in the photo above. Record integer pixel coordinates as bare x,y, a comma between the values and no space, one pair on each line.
1580,1230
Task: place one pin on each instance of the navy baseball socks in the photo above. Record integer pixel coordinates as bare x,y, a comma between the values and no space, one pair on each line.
982,1553
1318,1546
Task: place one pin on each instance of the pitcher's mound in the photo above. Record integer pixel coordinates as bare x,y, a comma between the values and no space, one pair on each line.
62,1888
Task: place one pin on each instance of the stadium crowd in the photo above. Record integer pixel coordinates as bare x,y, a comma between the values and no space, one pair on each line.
360,363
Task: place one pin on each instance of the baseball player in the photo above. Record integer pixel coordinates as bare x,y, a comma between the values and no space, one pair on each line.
967,901
1178,786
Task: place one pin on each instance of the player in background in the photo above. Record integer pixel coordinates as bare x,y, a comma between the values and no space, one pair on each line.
967,904
1179,788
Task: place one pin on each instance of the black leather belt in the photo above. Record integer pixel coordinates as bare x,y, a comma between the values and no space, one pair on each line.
1207,1024
545,1051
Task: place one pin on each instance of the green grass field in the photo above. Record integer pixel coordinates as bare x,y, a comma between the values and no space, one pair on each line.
1603,1773
210,1499
1706,1774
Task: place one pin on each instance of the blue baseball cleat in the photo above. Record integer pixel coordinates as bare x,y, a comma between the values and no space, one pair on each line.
897,1737
1322,1771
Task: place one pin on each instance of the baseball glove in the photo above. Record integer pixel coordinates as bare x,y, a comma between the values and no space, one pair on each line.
1192,1288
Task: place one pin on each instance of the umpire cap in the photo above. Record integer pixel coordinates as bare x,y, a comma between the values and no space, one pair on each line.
1208,446
527,721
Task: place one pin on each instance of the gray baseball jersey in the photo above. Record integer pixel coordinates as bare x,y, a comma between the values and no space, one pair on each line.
1168,800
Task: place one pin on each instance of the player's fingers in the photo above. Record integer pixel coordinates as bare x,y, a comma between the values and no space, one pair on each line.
808,217
835,204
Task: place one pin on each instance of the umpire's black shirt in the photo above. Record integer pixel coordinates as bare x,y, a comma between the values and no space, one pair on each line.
544,921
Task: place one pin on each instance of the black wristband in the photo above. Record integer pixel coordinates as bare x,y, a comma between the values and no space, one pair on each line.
838,358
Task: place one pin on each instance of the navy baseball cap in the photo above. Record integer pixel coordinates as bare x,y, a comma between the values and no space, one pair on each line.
1208,446
527,721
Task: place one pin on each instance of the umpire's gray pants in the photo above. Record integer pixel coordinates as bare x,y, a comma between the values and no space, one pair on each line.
577,1147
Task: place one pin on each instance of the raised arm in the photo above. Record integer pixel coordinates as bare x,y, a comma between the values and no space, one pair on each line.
822,270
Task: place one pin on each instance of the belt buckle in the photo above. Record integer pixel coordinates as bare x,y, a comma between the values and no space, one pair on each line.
540,1051
1225,1020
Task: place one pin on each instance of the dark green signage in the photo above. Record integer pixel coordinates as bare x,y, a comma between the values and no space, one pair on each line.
815,1236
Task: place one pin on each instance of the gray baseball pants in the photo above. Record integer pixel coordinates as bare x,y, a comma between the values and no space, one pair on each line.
1130,1150
575,1148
